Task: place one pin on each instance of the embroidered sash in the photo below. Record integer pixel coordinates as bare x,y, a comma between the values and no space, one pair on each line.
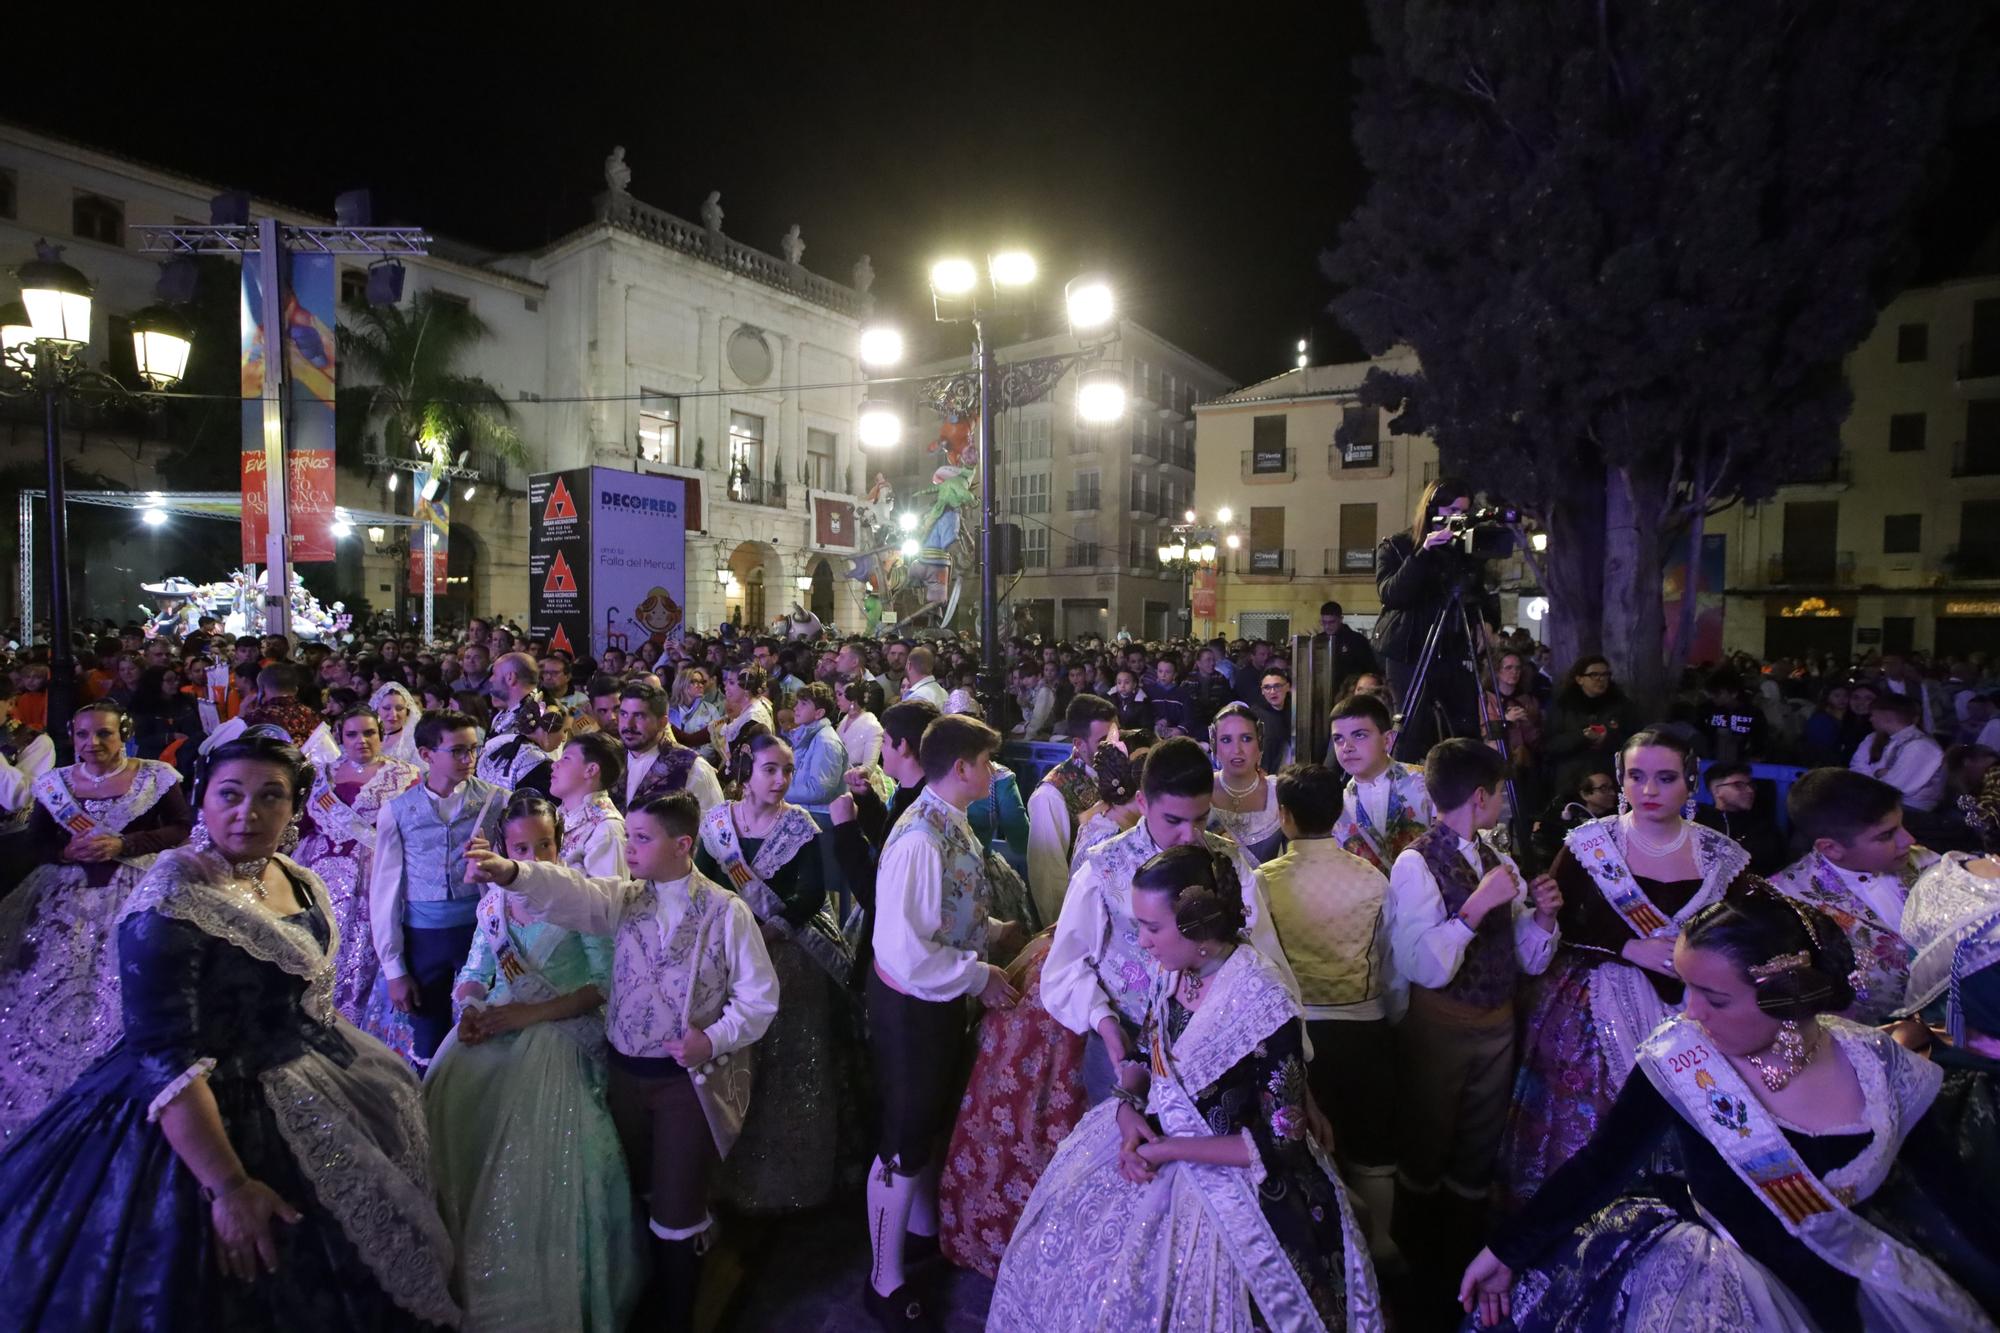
1705,1088
340,822
1595,846
148,786
1400,824
1880,953
820,936
1247,1002
723,1085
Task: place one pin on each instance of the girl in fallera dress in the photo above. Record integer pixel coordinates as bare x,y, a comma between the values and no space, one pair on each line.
1628,881
1246,797
1196,1200
1117,807
768,851
95,829
530,1175
244,1158
338,843
1819,1188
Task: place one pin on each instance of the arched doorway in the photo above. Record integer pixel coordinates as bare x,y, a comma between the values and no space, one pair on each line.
461,582
822,591
755,565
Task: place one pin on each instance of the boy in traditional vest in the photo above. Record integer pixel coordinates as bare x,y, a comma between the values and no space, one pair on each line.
1386,807
420,907
1060,798
1328,906
931,936
1460,936
691,985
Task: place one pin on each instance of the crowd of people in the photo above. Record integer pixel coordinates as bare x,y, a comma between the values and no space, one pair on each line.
391,984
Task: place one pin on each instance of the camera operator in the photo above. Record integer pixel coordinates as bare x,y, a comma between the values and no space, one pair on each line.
1416,573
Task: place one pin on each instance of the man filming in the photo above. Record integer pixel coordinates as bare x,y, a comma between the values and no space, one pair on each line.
1416,574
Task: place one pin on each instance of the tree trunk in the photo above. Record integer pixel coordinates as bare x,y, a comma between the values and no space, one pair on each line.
1634,611
1573,569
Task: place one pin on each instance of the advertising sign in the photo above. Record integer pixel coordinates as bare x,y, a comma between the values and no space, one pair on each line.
308,320
559,559
638,544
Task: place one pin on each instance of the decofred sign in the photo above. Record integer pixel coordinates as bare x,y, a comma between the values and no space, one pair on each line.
607,555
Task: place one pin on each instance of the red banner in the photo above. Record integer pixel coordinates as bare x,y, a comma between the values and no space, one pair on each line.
833,523
432,516
308,319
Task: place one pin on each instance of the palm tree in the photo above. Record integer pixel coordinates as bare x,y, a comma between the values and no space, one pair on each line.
426,409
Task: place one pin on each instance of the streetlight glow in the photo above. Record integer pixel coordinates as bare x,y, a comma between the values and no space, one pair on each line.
377,534
953,277
1207,553
1188,516
878,425
1100,397
57,298
881,346
1538,541
1011,268
342,529
1166,555
1224,514
161,341
1090,304
1232,541
910,547
907,522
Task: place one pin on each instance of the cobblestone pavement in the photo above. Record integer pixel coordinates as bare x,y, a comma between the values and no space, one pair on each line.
804,1275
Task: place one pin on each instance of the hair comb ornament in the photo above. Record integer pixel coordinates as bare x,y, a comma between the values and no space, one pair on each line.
1979,816
1784,962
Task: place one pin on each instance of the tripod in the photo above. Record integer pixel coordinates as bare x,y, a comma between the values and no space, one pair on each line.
1484,686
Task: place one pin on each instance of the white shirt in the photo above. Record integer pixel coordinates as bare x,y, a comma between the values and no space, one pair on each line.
597,906
909,910
1041,709
861,733
603,856
1917,692
1373,795
17,780
1884,893
1911,762
1050,837
385,879
928,690
1426,946
637,766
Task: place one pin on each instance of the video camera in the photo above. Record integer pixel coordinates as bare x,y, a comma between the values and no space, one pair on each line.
1486,533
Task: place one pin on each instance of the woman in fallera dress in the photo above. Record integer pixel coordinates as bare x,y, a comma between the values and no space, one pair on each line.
1815,1190
96,827
531,1178
337,844
1628,883
1246,797
1200,1202
767,851
398,710
243,1158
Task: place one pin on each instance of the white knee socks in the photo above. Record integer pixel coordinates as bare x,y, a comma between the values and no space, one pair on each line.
891,1198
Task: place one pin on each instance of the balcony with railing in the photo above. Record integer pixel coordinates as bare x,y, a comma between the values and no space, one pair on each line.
1084,442
755,491
1142,559
1811,568
1144,501
1975,458
1081,555
1085,500
1146,445
1837,471
1269,562
663,228
1179,455
1973,562
1349,562
1270,464
1979,368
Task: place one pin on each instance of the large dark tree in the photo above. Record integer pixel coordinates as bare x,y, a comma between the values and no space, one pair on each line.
1630,243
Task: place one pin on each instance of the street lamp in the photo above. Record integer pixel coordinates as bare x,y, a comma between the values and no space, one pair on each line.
1194,546
42,339
878,425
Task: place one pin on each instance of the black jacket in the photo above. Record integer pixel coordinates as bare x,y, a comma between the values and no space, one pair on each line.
1415,583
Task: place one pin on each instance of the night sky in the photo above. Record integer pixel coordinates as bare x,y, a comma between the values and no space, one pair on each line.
1200,155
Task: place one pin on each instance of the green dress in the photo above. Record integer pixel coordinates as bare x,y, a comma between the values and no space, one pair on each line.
529,1174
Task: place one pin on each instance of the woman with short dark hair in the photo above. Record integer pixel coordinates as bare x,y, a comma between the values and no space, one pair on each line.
1589,723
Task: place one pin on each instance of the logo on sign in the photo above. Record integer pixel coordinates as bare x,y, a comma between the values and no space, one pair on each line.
560,507
560,578
559,643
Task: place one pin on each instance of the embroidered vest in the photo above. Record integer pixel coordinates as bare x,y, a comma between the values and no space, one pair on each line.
964,894
1327,905
662,984
1406,816
668,774
1077,788
1486,975
580,828
434,852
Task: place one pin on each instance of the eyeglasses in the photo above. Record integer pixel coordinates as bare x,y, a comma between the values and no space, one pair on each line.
459,751
1594,675
1745,783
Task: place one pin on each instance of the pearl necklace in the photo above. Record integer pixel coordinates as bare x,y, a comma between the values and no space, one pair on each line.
1653,849
83,774
1256,785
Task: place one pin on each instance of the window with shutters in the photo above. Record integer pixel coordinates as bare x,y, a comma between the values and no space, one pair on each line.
1266,553
95,218
1357,540
819,457
1902,534
659,428
1028,493
1906,433
1034,546
1267,445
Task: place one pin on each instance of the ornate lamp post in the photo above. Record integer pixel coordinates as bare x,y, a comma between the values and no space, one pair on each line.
1194,546
42,341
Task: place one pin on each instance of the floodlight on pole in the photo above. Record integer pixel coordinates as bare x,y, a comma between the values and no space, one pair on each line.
1100,397
878,425
910,547
881,346
907,522
1090,304
953,277
1011,268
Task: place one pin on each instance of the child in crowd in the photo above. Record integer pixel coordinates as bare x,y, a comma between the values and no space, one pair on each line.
1387,806
584,775
515,1102
1462,936
691,987
420,907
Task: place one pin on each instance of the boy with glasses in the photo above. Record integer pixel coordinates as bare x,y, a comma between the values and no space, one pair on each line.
1733,812
420,908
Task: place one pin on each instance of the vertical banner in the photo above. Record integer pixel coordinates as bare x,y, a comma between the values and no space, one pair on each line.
833,523
1707,586
432,515
638,545
308,318
559,560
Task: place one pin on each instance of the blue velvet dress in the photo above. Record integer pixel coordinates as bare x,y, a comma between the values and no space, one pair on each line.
103,1227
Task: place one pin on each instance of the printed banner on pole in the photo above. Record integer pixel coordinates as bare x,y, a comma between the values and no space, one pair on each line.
432,515
559,560
833,523
308,320
638,545
256,520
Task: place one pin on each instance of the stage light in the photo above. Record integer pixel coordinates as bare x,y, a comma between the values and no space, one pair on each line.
395,479
909,546
153,517
1011,268
907,522
953,277
1538,541
1302,346
1224,514
878,425
385,283
1090,303
1100,397
430,487
1188,516
1536,609
470,491
881,346
342,529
